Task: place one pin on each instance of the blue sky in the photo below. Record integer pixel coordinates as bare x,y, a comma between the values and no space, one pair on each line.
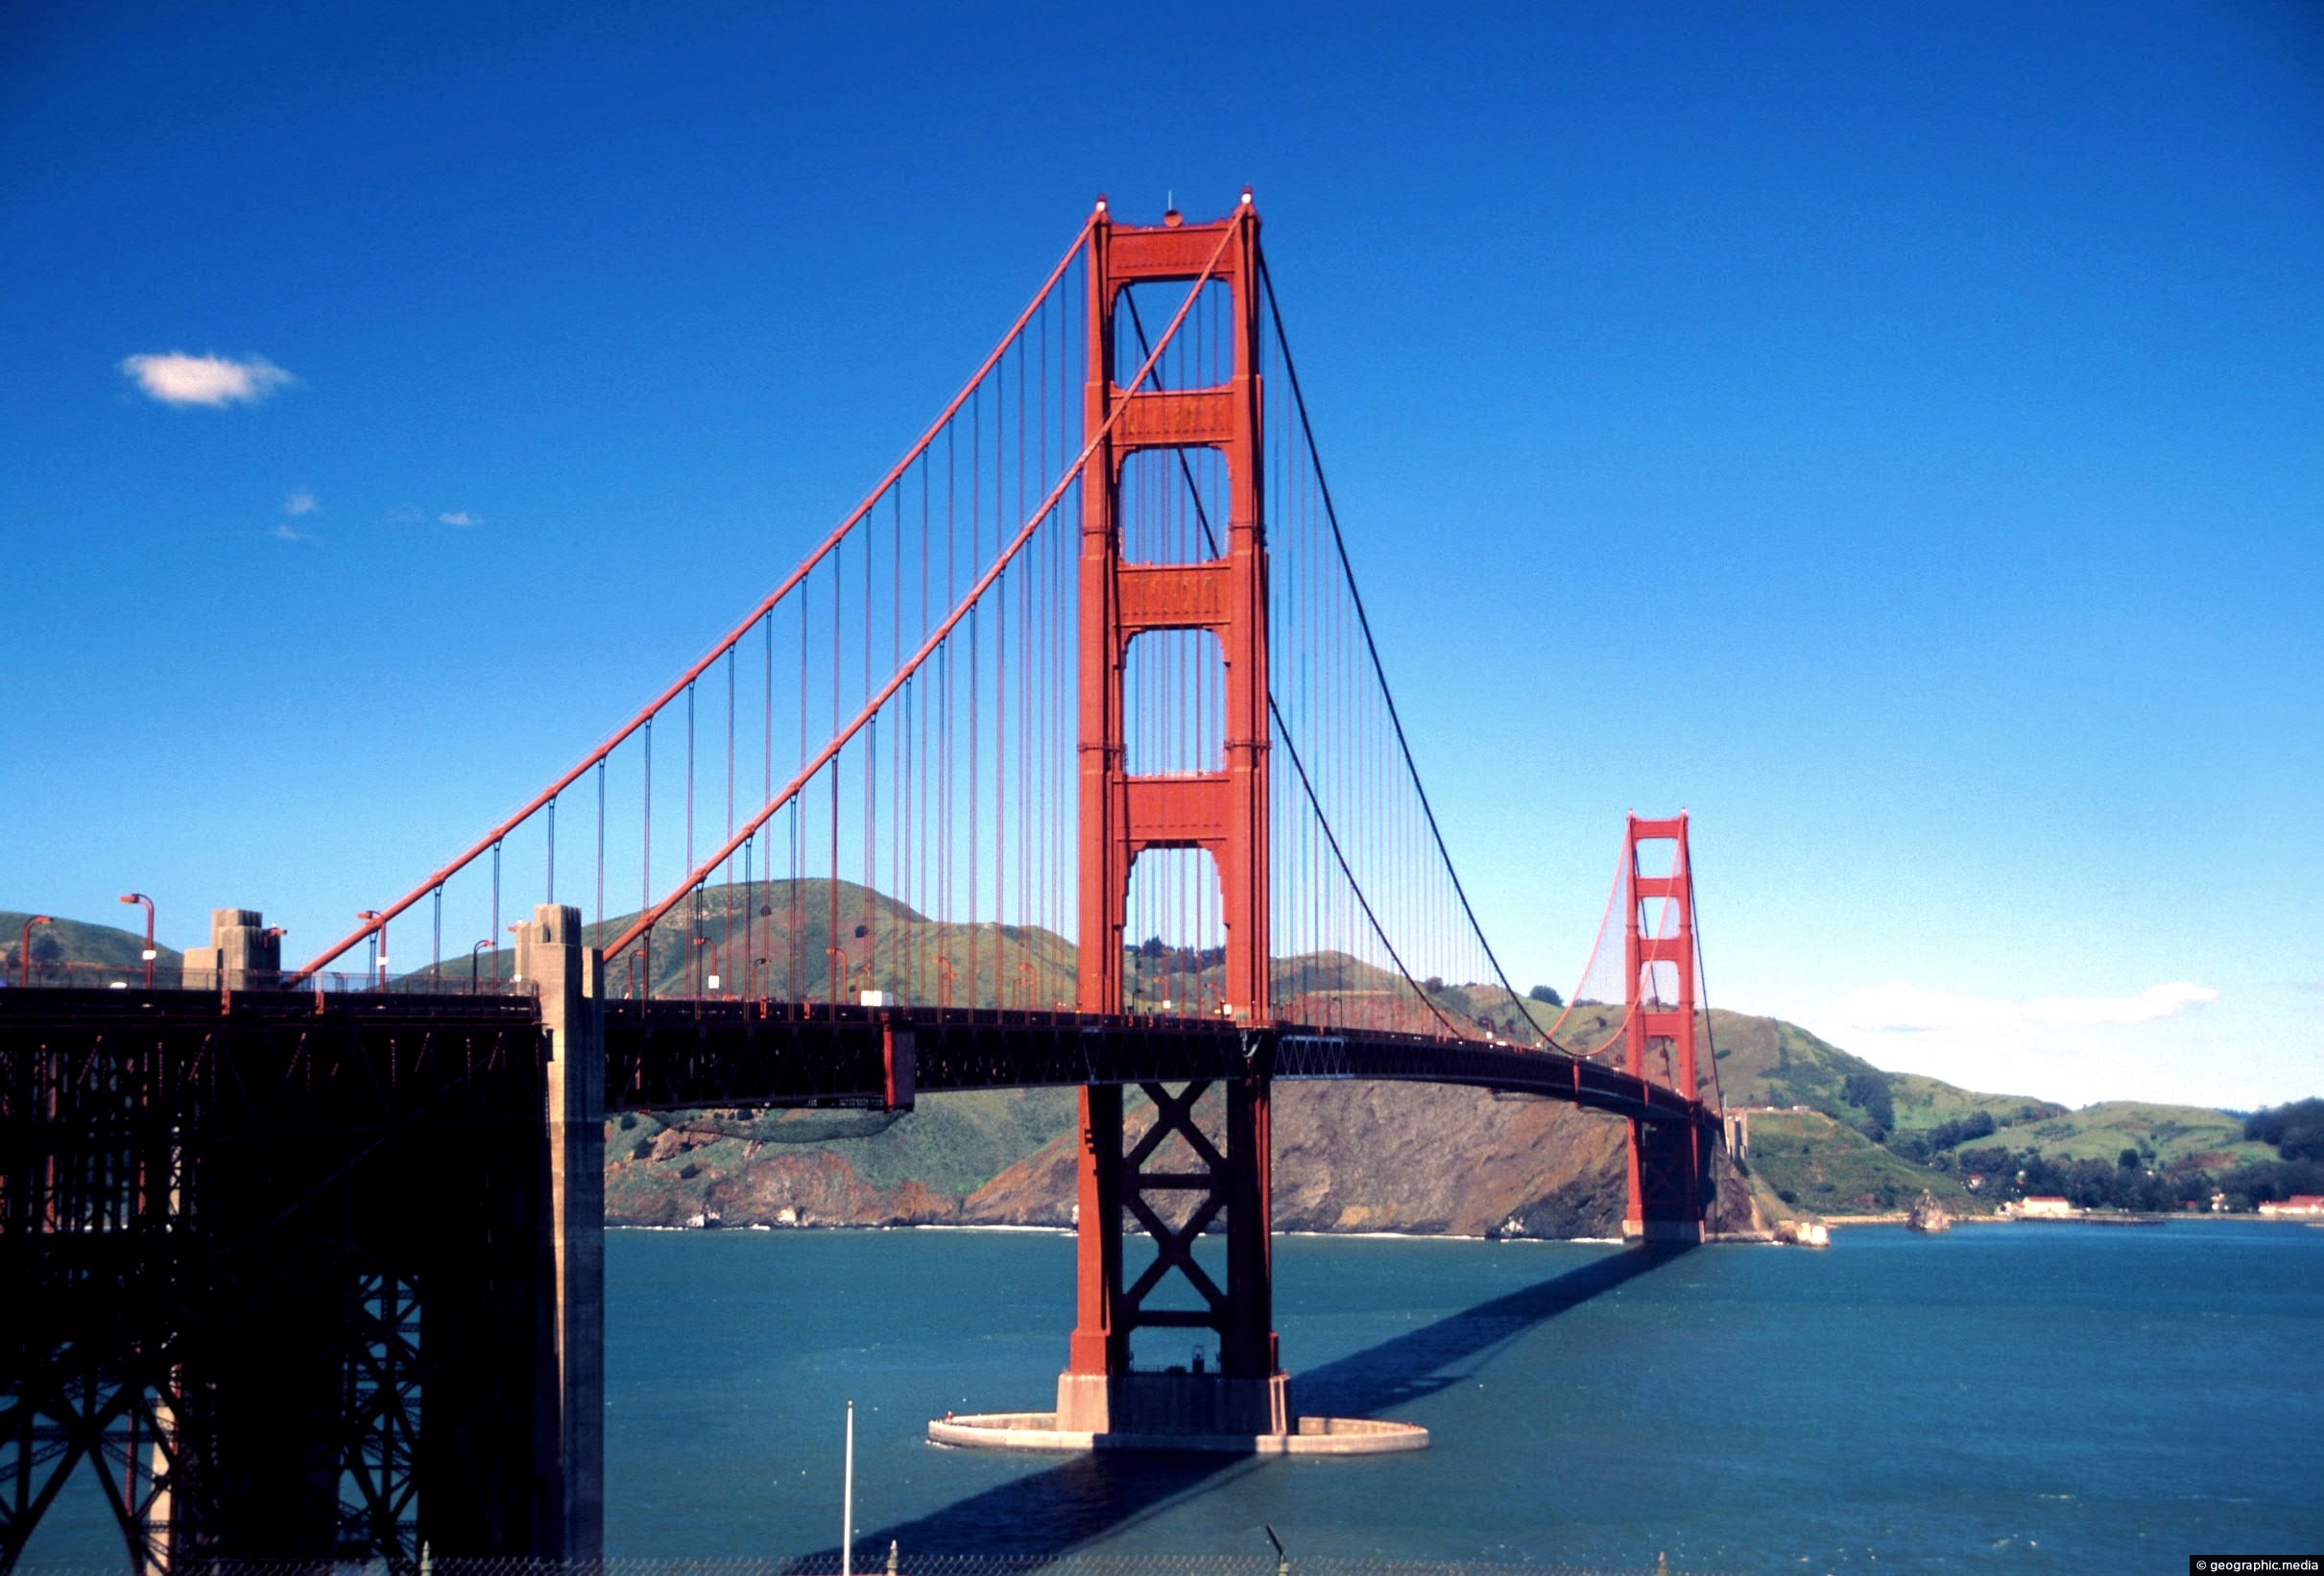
1895,434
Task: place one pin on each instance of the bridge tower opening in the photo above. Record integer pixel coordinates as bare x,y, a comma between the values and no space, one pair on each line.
1669,1161
1208,419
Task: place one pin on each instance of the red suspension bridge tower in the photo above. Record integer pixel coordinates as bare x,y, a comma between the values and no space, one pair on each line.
1668,1160
1222,813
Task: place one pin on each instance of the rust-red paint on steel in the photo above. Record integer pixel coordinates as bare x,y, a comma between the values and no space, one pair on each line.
1650,1019
677,686
1223,813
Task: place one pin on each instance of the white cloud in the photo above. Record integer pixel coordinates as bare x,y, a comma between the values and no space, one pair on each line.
2156,1001
301,502
1909,1008
283,531
180,379
2149,1044
458,517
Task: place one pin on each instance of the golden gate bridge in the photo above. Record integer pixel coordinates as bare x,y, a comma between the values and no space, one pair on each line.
1067,758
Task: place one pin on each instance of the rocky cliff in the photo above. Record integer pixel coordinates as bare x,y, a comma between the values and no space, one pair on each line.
1347,1157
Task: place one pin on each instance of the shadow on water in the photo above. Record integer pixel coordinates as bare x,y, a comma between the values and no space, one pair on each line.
1416,1365
1048,1514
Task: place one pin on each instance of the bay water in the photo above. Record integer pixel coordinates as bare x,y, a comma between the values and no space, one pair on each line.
2008,1397
2020,1398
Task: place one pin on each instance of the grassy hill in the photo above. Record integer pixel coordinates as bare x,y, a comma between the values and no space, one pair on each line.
2161,1135
1823,1166
77,942
1921,1103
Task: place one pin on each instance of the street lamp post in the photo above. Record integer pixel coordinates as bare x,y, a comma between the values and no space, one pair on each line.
472,953
378,945
24,949
141,898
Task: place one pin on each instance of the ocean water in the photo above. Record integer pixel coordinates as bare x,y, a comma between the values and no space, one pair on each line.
2020,1398
2017,1397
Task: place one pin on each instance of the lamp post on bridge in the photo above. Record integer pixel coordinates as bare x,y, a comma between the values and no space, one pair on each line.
24,949
473,951
141,898
378,945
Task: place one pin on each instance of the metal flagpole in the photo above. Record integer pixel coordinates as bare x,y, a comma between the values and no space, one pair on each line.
847,1502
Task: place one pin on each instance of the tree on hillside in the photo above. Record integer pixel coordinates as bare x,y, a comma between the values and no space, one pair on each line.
1868,1091
2296,1129
1544,994
1930,1143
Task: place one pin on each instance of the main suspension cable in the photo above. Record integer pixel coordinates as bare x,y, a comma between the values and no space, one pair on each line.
1364,624
1283,725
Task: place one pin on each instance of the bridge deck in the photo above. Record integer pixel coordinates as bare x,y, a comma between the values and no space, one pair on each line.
678,1054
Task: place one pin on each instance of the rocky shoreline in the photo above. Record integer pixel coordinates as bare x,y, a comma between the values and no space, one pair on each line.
1399,1158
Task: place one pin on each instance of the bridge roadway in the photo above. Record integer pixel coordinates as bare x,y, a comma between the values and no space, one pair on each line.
684,1053
678,1054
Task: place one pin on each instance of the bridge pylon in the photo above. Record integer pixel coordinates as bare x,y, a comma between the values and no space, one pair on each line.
1669,1161
1223,813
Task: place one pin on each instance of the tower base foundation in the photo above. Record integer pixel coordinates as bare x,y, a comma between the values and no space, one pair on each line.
1176,1411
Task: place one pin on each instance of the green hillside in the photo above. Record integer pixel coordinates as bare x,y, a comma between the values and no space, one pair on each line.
1923,1103
1766,1061
76,942
816,940
2161,1135
1827,1167
820,940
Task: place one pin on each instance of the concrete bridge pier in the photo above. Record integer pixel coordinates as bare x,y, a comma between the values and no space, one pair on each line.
1669,1181
569,1421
